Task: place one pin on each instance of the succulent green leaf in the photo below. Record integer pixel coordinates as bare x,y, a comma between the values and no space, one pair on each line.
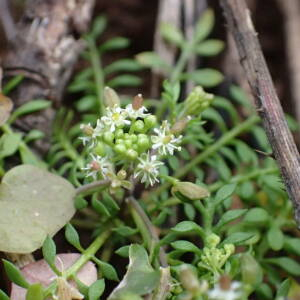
30,107
172,34
9,144
225,192
35,292
33,204
72,236
151,60
115,43
210,47
205,77
3,296
287,264
238,238
230,216
14,274
275,238
185,246
140,278
96,289
257,217
204,25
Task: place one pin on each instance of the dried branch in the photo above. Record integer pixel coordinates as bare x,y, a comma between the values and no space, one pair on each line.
291,12
267,103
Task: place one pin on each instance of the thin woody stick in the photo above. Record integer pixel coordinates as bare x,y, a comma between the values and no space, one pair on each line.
266,100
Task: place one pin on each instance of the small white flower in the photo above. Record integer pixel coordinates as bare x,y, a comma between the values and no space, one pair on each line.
136,113
98,165
147,169
115,117
91,134
165,141
232,293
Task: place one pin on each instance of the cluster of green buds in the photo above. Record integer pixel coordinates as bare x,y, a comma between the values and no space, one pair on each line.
213,258
129,140
196,102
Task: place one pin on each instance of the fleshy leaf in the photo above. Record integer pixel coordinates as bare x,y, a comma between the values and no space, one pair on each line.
140,278
33,204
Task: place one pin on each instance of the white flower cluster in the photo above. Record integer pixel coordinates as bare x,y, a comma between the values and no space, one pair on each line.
232,292
128,137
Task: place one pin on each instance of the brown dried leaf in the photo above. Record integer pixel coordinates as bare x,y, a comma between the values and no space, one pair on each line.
6,106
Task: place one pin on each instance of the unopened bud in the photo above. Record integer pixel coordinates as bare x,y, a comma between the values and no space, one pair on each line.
111,98
180,125
100,149
197,101
131,154
87,129
189,279
108,137
225,282
122,174
120,148
150,121
190,190
138,125
137,102
212,240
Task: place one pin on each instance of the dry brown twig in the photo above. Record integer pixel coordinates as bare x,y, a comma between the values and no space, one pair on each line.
291,12
266,100
44,47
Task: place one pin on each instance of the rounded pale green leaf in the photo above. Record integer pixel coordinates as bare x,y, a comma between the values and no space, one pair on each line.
275,238
257,216
33,204
205,77
210,47
151,60
140,278
172,34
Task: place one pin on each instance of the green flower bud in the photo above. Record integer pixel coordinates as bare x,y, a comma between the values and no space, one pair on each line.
135,147
197,101
119,141
212,240
119,133
111,98
150,121
122,174
138,126
128,143
229,249
142,136
100,149
120,148
108,137
131,154
126,136
189,191
143,144
133,137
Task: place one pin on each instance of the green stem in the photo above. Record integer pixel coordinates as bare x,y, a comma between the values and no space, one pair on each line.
225,139
87,255
87,188
98,75
147,230
182,61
